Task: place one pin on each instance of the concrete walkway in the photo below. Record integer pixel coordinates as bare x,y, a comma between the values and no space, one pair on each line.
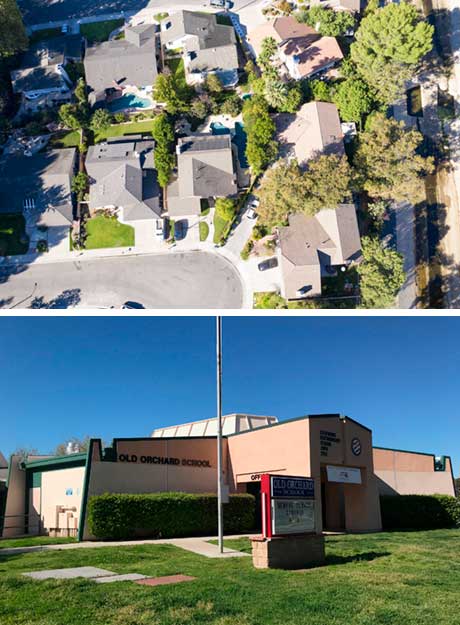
200,546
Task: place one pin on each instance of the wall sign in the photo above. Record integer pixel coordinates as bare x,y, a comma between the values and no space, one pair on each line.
185,462
326,440
356,446
344,475
288,505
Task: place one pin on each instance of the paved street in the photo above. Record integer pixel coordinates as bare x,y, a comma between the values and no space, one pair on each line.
177,280
43,11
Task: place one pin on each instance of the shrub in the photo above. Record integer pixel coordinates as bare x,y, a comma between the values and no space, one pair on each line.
225,208
123,516
247,249
204,230
42,246
419,511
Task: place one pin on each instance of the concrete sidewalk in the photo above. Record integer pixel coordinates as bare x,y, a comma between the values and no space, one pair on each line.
200,546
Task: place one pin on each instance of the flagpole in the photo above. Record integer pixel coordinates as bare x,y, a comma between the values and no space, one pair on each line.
220,516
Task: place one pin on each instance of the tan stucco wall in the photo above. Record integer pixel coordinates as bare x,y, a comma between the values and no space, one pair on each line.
406,473
361,501
138,477
53,494
15,501
283,448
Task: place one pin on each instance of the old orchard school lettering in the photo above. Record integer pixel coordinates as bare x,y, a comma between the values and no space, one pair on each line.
185,462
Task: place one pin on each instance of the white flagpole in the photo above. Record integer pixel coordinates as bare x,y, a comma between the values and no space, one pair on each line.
220,515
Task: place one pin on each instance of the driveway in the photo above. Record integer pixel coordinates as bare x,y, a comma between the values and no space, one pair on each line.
175,280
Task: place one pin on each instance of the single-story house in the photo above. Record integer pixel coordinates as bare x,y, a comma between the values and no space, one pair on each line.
205,170
312,248
314,129
39,187
208,47
301,48
42,79
122,176
119,63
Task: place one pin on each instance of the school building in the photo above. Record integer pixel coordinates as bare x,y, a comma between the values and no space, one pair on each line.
49,495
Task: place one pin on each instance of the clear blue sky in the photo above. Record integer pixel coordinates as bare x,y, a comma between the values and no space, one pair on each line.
106,377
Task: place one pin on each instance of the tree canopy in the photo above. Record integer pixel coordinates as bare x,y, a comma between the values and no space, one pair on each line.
326,21
387,162
13,38
163,134
165,90
286,189
389,43
101,119
260,128
381,274
353,99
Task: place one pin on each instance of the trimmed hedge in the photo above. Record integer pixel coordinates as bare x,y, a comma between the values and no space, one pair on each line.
166,515
419,511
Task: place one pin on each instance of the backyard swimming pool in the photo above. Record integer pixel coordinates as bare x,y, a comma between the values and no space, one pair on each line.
129,101
239,139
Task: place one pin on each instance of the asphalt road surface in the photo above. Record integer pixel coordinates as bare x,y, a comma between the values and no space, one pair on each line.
42,11
178,280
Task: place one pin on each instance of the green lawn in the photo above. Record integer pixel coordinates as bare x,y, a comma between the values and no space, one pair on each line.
220,226
119,130
70,139
31,541
45,33
12,228
108,232
374,579
100,31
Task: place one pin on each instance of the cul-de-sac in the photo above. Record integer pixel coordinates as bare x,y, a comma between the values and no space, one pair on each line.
229,154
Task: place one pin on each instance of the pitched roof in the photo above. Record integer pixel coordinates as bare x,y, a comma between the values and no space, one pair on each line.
39,65
210,46
310,51
122,174
205,169
129,61
314,129
331,237
44,178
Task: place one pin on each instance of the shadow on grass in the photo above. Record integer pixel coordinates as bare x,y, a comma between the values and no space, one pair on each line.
367,556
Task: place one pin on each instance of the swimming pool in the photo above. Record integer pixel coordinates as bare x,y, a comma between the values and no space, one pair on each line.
129,101
217,128
239,139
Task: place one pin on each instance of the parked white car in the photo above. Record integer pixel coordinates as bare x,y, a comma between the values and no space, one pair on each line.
251,211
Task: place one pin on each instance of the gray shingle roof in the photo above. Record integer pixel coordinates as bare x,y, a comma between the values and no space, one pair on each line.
122,174
211,46
205,170
44,178
38,78
331,237
129,61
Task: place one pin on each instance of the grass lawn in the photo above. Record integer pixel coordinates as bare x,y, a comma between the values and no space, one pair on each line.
176,65
373,579
46,33
12,227
118,130
100,31
31,541
69,139
108,232
220,226
204,230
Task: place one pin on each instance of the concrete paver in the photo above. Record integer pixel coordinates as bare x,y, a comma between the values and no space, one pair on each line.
126,577
70,573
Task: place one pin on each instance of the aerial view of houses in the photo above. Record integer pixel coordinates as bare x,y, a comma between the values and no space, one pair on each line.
296,143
